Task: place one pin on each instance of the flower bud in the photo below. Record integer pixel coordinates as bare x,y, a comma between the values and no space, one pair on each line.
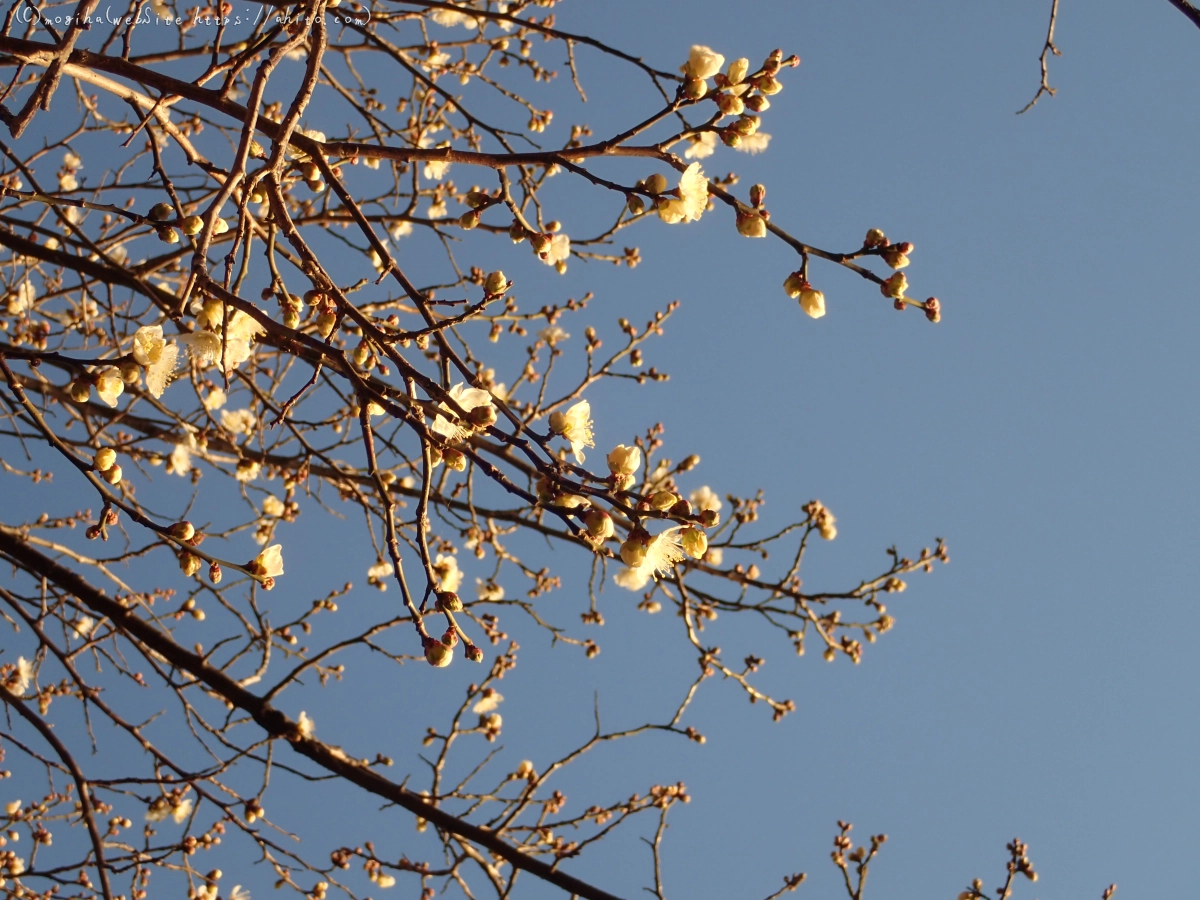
933,310
695,542
599,524
450,638
623,460
325,323
182,531
476,199
737,71
758,194
214,573
710,518
80,391
192,225
468,220
620,482
895,286
482,417
746,125
663,500
131,373
189,563
473,653
162,212
220,226
751,224
495,284
757,103
104,458
448,601
894,258
812,302
516,231
875,238
694,88
168,235
680,507
310,171
635,204
633,552
112,475
768,85
730,138
539,242
730,104
656,183
438,654
454,459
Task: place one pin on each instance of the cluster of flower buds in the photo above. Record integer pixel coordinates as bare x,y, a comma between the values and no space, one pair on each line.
811,300
105,462
752,220
821,518
311,173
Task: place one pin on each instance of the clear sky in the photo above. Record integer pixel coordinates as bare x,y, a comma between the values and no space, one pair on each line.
1043,685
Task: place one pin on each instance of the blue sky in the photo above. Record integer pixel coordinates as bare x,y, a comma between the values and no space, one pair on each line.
1045,683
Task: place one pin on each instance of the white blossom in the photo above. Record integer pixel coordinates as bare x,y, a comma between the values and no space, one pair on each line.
558,251
692,200
239,421
576,426
305,725
448,18
490,701
553,335
109,385
448,573
24,675
705,498
215,399
631,579
703,62
701,146
468,399
182,811
269,563
488,590
755,143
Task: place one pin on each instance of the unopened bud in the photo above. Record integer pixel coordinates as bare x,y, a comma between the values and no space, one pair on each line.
482,417
454,459
468,220
325,323
192,225
695,542
895,286
182,531
758,194
757,103
438,654
895,258
104,458
473,653
162,212
710,518
448,601
730,104
189,563
168,235
633,550
694,88
599,524
933,310
635,204
476,199
680,507
812,302
730,138
214,573
516,231
656,183
663,500
751,224
495,284
80,391
737,71
768,85
112,475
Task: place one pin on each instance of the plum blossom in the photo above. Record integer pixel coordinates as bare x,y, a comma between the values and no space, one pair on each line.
468,399
576,426
692,199
703,62
705,497
109,385
488,702
488,590
701,146
448,18
182,811
559,250
450,577
755,143
305,725
24,675
269,563
631,579
238,421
